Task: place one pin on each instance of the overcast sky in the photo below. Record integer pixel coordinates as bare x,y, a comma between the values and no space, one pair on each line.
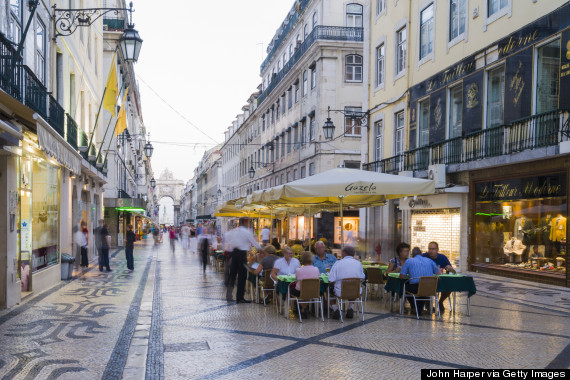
203,60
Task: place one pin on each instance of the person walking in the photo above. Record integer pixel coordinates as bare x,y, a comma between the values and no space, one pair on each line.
129,247
204,242
81,240
185,234
105,242
193,240
172,238
239,241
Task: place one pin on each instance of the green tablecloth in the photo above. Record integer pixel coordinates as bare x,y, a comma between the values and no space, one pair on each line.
383,267
285,280
446,283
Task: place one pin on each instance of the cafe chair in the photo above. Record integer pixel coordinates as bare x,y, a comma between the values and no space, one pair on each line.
250,283
350,289
427,291
374,277
310,293
220,262
268,285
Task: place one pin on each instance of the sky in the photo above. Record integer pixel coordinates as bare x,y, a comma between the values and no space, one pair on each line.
198,65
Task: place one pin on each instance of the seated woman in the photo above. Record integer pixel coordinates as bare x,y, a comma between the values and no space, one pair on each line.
308,270
402,254
275,243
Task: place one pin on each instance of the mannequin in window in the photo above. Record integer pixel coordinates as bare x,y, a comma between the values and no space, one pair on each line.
524,231
514,249
543,231
558,231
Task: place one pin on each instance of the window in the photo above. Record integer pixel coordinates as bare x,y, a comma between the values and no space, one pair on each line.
288,179
294,174
313,77
315,19
426,31
379,141
303,133
494,6
399,135
282,145
303,171
455,111
353,68
352,121
401,50
297,92
548,82
289,141
354,16
272,114
283,107
457,18
423,123
284,59
380,6
311,169
276,145
296,137
290,51
495,96
305,83
380,54
290,97
277,110
305,31
15,22
312,129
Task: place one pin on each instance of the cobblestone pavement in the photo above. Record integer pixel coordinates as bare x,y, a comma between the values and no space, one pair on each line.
169,320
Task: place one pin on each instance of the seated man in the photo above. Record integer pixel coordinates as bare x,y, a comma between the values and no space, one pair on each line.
443,262
417,266
348,267
322,259
285,265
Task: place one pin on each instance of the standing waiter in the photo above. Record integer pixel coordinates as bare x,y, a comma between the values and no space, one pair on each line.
239,241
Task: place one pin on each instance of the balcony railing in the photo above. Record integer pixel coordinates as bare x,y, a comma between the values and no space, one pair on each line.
537,131
56,116
35,95
10,75
114,24
82,139
71,135
320,32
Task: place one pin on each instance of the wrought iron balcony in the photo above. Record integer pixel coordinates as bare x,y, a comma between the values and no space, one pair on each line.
82,140
10,75
113,24
35,94
320,32
533,132
56,116
71,135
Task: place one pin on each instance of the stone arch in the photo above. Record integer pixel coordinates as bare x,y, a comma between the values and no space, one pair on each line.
168,186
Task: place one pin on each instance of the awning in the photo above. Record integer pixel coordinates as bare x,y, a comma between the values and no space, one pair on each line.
142,216
55,146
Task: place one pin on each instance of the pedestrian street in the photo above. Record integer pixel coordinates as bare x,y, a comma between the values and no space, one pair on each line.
169,320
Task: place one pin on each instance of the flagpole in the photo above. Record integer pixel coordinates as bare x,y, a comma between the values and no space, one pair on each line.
107,130
101,104
108,146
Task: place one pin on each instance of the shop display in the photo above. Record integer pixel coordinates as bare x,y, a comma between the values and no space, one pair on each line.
518,226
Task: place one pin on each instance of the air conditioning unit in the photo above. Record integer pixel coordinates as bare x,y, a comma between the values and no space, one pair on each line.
437,174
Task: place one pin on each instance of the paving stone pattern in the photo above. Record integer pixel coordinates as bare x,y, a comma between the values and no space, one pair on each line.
179,326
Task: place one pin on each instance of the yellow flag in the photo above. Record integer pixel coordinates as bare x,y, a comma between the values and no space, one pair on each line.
111,90
122,119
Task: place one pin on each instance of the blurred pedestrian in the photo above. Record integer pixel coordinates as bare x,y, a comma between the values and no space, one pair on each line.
204,243
129,247
239,241
172,238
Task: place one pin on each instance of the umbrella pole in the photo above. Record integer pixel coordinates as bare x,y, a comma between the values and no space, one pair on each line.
271,219
341,225
259,224
309,220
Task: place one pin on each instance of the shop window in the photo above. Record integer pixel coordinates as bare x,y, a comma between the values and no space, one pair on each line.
525,232
495,96
455,111
547,78
440,225
423,128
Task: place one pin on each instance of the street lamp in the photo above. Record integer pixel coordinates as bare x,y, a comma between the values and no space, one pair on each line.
66,22
328,127
152,182
251,170
148,149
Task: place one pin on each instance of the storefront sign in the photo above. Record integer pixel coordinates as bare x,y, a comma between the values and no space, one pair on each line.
54,146
431,202
443,78
518,86
522,188
437,117
564,102
472,103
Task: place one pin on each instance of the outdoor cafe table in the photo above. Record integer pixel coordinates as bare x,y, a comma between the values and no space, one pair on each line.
285,280
446,283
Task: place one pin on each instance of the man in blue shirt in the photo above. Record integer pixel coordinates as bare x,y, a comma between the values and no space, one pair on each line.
443,262
323,260
416,267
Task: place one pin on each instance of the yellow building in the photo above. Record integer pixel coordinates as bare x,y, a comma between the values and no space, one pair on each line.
485,115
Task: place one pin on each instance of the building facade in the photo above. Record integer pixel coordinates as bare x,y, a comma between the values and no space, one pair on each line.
485,117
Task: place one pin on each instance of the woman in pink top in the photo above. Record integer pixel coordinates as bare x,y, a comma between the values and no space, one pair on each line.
307,270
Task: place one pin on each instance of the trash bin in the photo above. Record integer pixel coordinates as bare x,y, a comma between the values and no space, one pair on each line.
66,266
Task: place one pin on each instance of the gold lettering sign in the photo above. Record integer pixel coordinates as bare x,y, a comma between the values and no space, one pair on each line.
517,85
473,96
438,114
518,42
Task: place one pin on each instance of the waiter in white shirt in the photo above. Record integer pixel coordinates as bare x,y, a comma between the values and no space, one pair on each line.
239,241
265,235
